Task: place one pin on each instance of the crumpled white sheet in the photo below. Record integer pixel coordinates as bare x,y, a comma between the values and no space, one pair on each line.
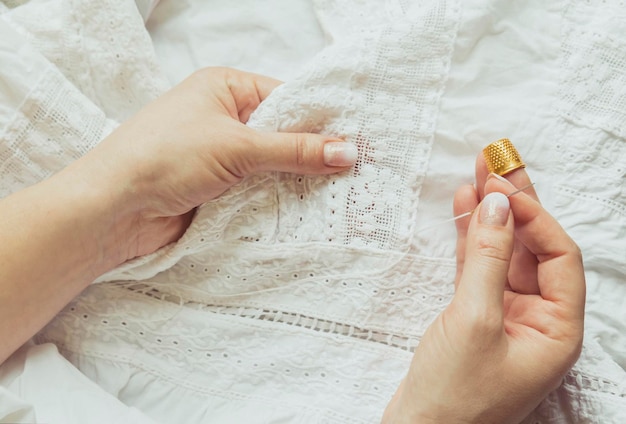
568,131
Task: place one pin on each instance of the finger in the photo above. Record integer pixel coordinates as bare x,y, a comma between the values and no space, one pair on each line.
560,270
302,153
523,269
238,92
465,200
248,90
519,178
489,245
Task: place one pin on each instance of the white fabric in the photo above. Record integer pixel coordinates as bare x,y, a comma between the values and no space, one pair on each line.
299,299
270,37
36,385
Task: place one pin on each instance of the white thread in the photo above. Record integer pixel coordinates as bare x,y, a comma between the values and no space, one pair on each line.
463,215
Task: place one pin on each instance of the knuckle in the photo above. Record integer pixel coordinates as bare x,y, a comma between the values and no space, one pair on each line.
483,321
243,147
203,74
249,142
201,80
493,248
577,252
489,324
577,349
486,318
211,71
571,345
301,149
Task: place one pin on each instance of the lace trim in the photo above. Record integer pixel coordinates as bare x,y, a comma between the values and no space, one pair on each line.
276,316
218,356
108,324
575,378
580,381
56,123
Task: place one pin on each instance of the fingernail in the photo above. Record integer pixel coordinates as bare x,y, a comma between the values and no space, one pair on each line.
494,209
340,153
500,178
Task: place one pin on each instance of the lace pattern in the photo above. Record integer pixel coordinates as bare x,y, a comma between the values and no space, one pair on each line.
592,99
53,127
590,151
103,50
175,344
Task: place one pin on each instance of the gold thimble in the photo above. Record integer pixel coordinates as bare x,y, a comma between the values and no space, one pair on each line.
502,157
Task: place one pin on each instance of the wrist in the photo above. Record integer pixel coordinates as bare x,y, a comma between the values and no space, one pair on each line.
102,212
401,409
123,191
58,236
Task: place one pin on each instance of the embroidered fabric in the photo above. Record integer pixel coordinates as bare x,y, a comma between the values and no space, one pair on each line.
176,344
590,144
299,299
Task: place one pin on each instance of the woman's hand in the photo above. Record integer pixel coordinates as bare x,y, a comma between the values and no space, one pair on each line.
136,191
515,325
191,145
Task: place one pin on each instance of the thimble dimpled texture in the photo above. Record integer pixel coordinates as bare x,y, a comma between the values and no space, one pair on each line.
502,157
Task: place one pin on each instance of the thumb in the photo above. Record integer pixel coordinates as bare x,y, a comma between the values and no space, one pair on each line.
489,246
303,153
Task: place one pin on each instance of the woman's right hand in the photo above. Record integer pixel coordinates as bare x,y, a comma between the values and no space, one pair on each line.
507,338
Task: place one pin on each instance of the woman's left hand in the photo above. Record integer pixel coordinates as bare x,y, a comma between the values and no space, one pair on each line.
136,191
192,144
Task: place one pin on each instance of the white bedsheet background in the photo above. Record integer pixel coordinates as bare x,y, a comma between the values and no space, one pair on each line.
273,37
343,282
